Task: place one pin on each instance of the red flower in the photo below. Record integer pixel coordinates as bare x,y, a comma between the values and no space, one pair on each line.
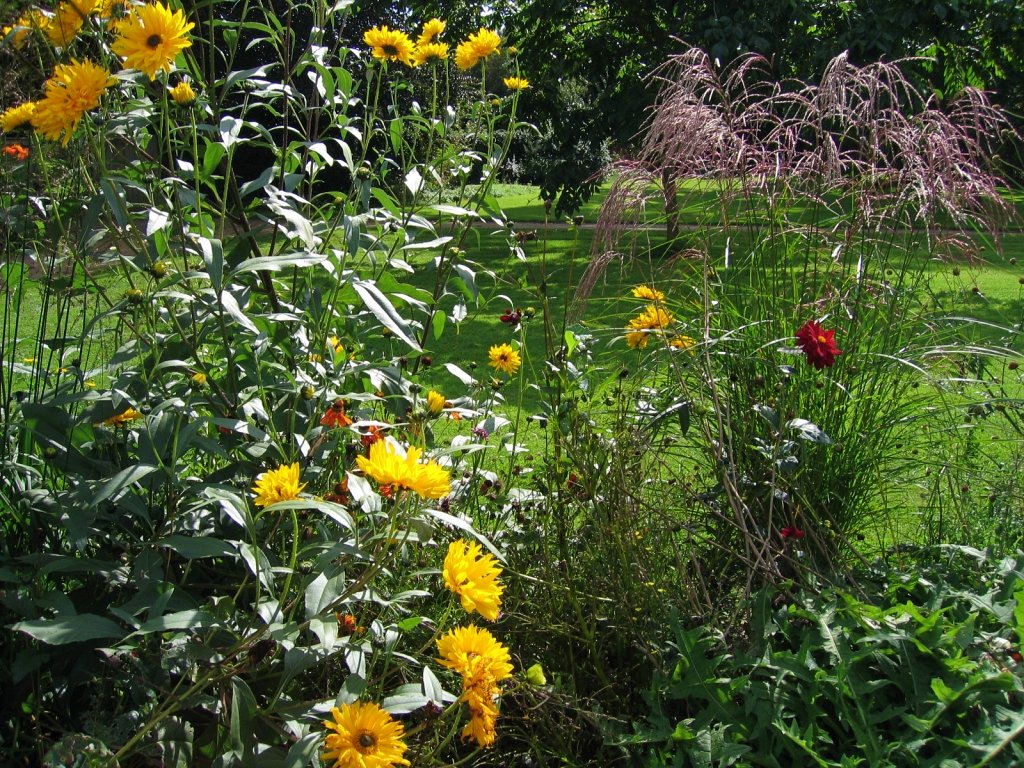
818,344
335,416
373,434
792,532
16,151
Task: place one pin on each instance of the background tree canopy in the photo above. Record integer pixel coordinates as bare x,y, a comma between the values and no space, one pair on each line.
589,59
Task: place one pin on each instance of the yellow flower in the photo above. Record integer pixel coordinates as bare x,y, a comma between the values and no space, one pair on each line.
151,38
281,484
17,34
473,576
435,402
365,736
517,83
183,94
334,345
120,419
504,358
429,53
652,319
682,342
483,662
475,654
199,379
112,9
648,292
67,21
73,90
431,31
389,44
16,117
480,45
483,716
389,467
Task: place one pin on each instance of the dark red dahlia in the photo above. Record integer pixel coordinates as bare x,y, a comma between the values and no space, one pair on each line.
818,344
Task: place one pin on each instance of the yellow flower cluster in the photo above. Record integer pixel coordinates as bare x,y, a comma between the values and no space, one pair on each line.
483,662
474,576
394,45
149,39
390,467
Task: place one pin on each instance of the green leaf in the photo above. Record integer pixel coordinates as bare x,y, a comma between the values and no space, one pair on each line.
385,312
195,547
71,629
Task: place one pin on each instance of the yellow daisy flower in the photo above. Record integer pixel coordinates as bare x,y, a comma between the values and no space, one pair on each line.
364,736
479,45
389,467
483,716
151,38
183,94
648,293
281,484
18,116
389,44
429,53
517,83
199,379
683,342
73,90
474,576
125,417
504,358
435,402
431,31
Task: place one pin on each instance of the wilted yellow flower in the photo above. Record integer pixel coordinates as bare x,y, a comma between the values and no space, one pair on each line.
479,45
68,20
429,53
473,576
16,117
151,38
281,484
389,44
517,83
648,292
17,33
682,342
504,358
183,94
73,90
435,402
389,467
535,675
431,31
125,417
364,736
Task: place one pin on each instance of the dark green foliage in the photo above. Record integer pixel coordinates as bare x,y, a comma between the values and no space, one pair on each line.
916,664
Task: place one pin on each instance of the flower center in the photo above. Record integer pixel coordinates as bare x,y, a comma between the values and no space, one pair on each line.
822,339
367,741
390,50
153,41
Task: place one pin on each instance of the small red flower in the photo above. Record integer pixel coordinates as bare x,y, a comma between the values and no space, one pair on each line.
373,434
335,416
818,344
17,151
792,532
